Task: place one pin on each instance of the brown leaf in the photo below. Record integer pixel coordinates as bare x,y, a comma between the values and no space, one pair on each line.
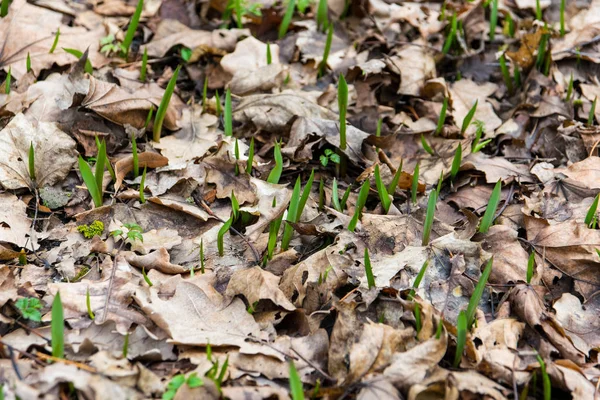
145,159
257,284
15,227
158,259
579,320
415,65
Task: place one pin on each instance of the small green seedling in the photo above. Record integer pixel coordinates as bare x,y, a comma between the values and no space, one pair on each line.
461,338
324,275
545,378
202,258
591,218
493,19
236,153
125,349
415,184
8,80
563,6
93,181
144,67
456,162
590,120
275,173
490,211
287,19
542,47
396,179
193,381
235,207
224,229
468,118
133,25
335,197
538,10
442,118
429,217
164,105
343,106
570,89
148,281
31,162
369,270
30,307
297,204
186,54
384,196
28,63
250,157
88,304
451,35
517,75
143,186
296,388
412,293
55,43
478,293
440,181
426,145
273,232
3,13
22,257
345,197
505,73
269,56
477,144
218,103
228,116
326,50
360,203
79,54
57,327
322,15
509,26
530,267
328,156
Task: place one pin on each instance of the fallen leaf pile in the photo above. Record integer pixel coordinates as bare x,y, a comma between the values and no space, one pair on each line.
198,276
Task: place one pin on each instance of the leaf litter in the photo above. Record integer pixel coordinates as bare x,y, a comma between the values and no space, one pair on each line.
438,107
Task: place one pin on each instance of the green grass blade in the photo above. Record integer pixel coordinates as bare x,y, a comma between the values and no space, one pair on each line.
133,25
369,270
538,10
505,74
429,217
590,120
589,217
227,116
442,118
224,229
570,88
305,194
125,346
202,255
360,203
3,13
426,145
326,50
275,173
164,105
415,184
28,63
322,10
273,232
296,388
456,162
57,328
148,281
468,118
88,64
269,56
88,304
100,164
451,35
144,68
8,81
90,182
55,43
493,19
530,266
292,214
343,106
517,75
250,157
418,280
461,338
143,186
490,211
335,199
239,13
478,293
218,103
386,202
287,19
394,183
563,6
31,161
345,197
545,379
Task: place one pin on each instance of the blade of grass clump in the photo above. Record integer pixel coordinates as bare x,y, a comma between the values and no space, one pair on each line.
335,199
227,116
288,231
591,214
133,25
90,182
164,105
570,88
31,162
57,328
224,229
322,15
590,120
88,304
530,266
345,197
426,145
456,162
451,35
386,202
134,154
360,203
468,118
269,57
442,118
394,183
273,232
144,68
461,338
326,50
88,64
506,74
411,295
415,184
275,173
563,5
250,157
478,293
149,118
369,270
545,379
55,43
490,211
429,217
541,56
8,81
493,19
296,388
239,13
287,19
343,106
143,186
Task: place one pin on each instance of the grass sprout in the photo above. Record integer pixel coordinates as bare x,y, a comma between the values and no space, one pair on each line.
296,388
360,204
547,384
461,338
590,217
451,35
322,15
456,162
396,179
88,304
505,73
55,42
384,196
228,115
144,67
563,6
429,217
493,19
275,173
250,157
164,105
490,211
426,145
31,162
442,118
287,19
468,118
343,106
88,64
590,120
530,267
132,28
57,327
326,50
478,293
369,270
224,229
8,81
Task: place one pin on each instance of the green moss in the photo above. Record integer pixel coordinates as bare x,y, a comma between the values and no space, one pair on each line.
91,230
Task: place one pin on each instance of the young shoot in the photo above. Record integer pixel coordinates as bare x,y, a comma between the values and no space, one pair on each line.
451,35
490,211
296,388
426,145
456,162
591,218
478,293
493,19
563,6
468,118
461,338
322,15
224,229
275,173
360,203
269,57
4,8
8,80
227,116
88,304
164,105
57,327
133,25
590,120
88,64
429,217
326,50
530,267
202,258
31,162
369,270
442,117
343,106
250,159
386,202
55,43
506,74
396,179
144,68
570,89
287,19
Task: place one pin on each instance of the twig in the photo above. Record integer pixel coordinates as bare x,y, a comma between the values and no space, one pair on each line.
68,362
315,367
